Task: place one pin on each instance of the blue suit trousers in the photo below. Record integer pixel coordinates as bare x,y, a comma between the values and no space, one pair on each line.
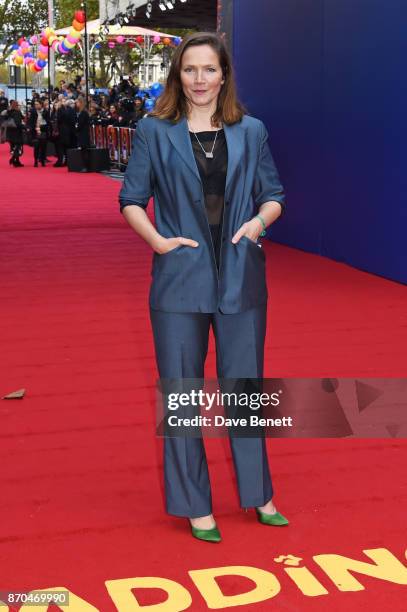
181,345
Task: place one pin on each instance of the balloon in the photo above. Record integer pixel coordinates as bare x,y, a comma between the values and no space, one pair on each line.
120,39
68,44
20,40
132,45
43,48
44,41
71,40
42,55
74,33
27,60
14,47
156,39
18,60
32,67
80,16
34,39
97,46
63,49
78,25
166,41
111,45
25,44
149,104
41,63
140,39
156,89
177,40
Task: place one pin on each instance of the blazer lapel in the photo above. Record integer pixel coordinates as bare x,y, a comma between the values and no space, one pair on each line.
181,140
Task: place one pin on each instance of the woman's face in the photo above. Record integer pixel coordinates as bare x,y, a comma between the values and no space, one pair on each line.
112,109
37,105
201,75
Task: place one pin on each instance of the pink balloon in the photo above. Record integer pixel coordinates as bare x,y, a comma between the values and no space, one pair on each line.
156,39
25,44
43,49
34,39
111,45
71,39
120,39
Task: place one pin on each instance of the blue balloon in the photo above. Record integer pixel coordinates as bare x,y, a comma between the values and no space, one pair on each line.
177,40
156,89
41,63
149,104
14,47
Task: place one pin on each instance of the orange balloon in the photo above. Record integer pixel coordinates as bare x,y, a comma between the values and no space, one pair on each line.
77,25
42,55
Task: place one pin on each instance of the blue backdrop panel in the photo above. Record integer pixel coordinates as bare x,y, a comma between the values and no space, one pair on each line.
328,79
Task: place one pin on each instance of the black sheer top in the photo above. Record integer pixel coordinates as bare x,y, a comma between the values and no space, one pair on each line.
213,176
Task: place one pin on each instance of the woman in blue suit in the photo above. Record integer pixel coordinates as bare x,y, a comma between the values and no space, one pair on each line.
216,189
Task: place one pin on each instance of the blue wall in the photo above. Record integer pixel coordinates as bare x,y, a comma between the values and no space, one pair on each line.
334,98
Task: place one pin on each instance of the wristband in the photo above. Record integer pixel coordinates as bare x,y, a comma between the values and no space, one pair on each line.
263,233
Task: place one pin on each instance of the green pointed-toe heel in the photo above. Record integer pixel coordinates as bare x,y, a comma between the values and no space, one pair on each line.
276,519
208,535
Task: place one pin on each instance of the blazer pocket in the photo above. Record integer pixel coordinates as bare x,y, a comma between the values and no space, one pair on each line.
172,251
254,245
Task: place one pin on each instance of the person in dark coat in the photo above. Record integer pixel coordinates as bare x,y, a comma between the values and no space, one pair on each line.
40,127
63,127
14,133
83,130
3,103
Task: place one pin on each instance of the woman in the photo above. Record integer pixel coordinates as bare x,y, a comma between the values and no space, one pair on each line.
138,112
40,127
215,190
14,133
83,130
111,117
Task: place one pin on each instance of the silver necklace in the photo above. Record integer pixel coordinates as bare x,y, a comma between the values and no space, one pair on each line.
208,154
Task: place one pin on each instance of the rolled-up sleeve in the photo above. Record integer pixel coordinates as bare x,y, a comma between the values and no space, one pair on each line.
267,186
137,187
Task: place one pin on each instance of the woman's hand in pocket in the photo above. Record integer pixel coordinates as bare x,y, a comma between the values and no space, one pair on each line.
165,245
251,229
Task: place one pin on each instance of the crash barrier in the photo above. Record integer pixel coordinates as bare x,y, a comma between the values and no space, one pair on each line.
117,140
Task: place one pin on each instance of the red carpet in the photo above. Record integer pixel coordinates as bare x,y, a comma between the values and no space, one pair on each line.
81,491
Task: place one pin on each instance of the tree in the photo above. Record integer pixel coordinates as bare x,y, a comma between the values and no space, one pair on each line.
65,10
20,18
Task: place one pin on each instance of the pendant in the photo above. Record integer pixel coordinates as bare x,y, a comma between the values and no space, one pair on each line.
209,155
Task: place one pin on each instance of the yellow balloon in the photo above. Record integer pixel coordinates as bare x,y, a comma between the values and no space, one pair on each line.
74,33
68,44
18,60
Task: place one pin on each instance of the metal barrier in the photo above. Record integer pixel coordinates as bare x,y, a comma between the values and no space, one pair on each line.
118,140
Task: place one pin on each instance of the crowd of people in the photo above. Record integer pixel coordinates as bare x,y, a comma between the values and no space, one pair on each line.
64,118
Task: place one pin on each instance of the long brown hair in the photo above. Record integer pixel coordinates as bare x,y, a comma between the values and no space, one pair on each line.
172,103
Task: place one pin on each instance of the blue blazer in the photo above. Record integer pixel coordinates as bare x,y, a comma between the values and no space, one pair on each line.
162,164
